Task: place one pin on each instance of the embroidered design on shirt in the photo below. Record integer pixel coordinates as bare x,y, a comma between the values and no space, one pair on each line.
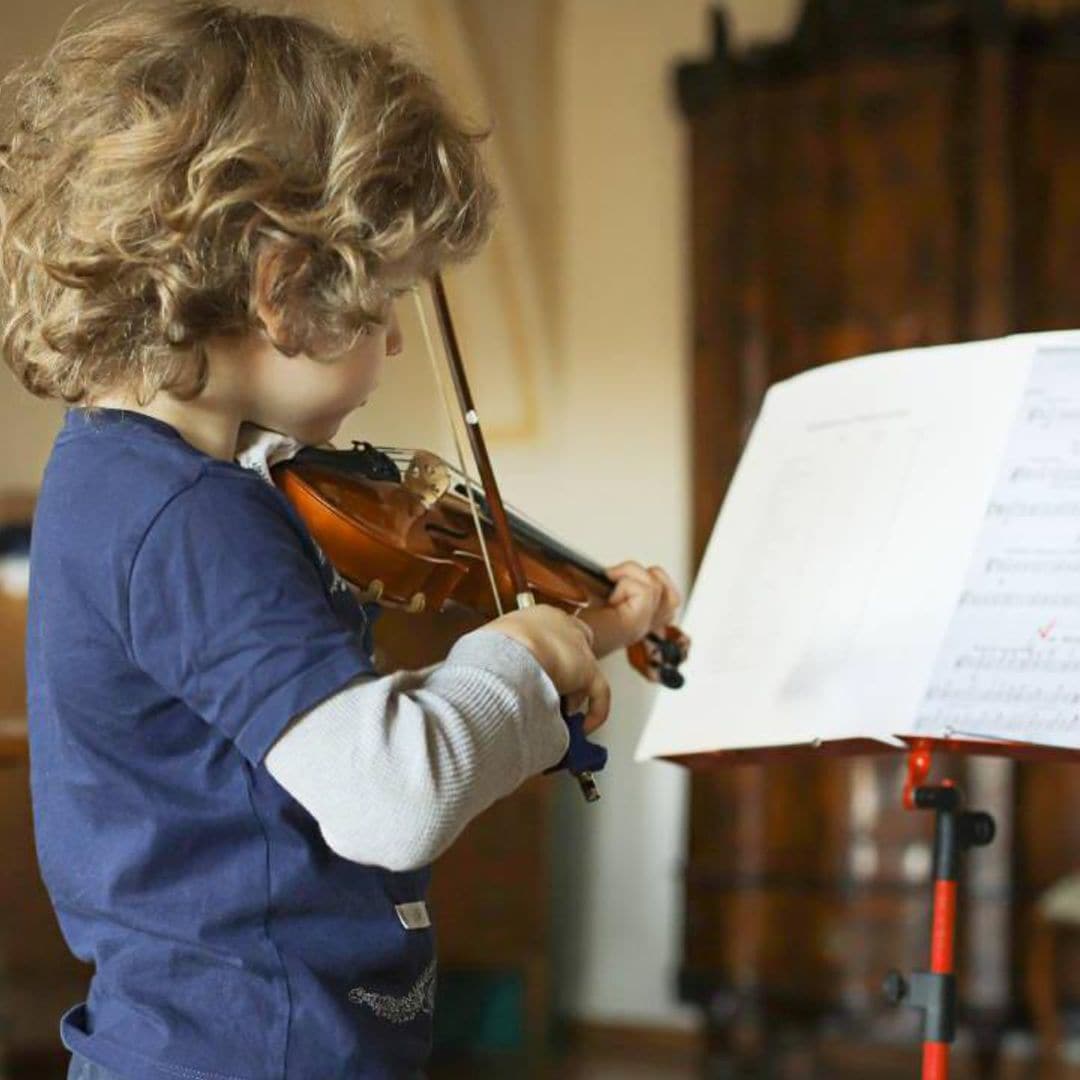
400,1010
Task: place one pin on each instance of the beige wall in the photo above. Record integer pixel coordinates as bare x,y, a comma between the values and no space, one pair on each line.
624,256
592,255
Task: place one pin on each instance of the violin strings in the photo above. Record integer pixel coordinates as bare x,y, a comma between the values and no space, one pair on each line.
457,445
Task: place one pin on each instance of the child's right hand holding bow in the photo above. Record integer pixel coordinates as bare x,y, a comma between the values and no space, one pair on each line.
563,646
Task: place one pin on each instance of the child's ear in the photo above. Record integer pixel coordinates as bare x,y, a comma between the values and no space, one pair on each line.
279,272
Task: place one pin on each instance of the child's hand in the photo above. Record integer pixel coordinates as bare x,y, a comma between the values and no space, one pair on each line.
563,646
643,601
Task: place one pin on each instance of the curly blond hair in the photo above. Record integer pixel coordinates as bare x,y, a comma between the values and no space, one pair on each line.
150,157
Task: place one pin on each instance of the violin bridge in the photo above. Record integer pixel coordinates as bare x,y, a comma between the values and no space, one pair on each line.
427,477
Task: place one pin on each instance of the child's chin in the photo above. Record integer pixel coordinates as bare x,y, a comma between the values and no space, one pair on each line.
313,434
326,432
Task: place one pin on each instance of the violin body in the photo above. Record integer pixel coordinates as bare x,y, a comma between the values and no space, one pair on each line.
412,543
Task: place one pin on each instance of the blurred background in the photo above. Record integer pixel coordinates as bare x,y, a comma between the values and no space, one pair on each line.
696,200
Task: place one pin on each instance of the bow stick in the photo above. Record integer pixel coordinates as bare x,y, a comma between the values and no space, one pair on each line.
583,757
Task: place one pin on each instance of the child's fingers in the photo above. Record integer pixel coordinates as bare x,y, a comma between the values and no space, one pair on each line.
624,589
628,570
616,571
587,630
633,581
671,600
599,701
672,596
575,703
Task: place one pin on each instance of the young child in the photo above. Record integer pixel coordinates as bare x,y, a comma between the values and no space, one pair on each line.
205,216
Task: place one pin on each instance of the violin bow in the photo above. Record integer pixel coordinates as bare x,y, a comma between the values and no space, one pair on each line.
523,596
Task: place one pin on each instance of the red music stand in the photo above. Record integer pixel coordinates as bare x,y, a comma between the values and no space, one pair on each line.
955,830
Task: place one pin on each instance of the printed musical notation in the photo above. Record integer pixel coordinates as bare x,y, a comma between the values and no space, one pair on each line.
1004,695
1057,601
1016,661
1010,658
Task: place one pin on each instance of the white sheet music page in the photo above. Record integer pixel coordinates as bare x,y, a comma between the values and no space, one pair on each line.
837,562
1009,664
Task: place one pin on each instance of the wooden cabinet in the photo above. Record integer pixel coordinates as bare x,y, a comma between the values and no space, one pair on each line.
490,899
39,978
897,174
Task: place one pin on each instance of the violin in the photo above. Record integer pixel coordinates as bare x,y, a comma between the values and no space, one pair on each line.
398,525
409,531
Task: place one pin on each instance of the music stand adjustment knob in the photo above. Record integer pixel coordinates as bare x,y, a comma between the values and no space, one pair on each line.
895,988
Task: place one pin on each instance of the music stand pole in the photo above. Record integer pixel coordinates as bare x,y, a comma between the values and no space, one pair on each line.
934,991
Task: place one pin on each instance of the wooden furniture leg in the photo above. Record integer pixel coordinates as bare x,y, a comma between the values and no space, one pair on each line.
1041,995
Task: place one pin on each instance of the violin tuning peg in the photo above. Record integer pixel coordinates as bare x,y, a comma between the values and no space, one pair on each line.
671,677
670,651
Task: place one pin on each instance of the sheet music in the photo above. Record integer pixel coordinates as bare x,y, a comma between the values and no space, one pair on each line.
1009,666
838,561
